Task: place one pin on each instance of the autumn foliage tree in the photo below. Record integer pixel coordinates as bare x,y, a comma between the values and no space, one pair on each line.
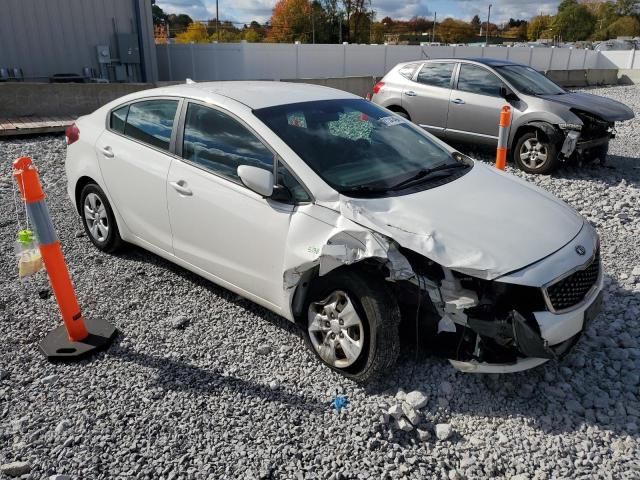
290,21
196,32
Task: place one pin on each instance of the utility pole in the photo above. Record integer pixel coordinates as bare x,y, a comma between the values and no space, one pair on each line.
435,18
340,32
488,20
313,27
217,23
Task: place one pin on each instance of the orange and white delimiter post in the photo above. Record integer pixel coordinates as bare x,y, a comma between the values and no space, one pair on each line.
503,137
76,340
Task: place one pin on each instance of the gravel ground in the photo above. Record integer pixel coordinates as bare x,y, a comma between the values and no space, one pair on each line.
233,393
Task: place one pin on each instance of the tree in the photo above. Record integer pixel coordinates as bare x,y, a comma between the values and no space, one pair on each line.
574,21
476,23
538,25
455,31
627,8
178,23
158,15
624,27
290,21
195,33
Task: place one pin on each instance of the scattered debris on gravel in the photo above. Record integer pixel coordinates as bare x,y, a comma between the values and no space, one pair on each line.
233,392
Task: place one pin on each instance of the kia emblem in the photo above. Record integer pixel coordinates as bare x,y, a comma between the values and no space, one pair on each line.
580,250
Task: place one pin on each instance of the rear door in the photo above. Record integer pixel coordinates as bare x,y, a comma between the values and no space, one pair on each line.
427,97
475,105
133,154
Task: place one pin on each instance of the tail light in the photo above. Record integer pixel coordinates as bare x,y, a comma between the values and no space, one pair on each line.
72,133
377,87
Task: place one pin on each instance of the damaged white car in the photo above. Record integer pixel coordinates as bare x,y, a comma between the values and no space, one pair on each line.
341,216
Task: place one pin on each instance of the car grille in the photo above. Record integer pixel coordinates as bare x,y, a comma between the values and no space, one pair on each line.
571,290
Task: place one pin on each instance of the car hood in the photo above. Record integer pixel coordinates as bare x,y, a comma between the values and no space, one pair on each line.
486,223
602,107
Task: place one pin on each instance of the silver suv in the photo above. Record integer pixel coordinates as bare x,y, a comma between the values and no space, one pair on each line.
460,100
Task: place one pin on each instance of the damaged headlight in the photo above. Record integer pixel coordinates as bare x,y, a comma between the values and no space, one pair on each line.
570,126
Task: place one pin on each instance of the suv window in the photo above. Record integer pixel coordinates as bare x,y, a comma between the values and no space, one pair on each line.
219,143
118,119
408,70
475,79
151,122
436,74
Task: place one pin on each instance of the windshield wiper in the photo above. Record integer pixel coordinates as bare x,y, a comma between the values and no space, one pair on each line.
424,173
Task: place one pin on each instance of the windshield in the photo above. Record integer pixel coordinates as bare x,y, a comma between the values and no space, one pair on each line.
359,148
529,81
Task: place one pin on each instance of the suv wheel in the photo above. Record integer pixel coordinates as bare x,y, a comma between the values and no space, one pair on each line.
352,324
534,153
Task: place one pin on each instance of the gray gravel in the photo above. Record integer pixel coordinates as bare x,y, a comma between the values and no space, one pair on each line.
204,384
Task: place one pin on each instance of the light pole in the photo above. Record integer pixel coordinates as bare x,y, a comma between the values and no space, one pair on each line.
488,20
433,35
217,23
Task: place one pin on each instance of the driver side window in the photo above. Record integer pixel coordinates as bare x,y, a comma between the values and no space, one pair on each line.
219,143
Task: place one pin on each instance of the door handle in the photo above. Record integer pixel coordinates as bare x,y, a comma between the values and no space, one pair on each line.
410,93
107,152
180,187
458,101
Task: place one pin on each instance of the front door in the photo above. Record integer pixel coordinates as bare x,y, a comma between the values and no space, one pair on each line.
134,159
218,224
475,105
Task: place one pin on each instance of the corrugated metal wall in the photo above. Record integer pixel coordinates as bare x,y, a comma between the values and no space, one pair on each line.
44,37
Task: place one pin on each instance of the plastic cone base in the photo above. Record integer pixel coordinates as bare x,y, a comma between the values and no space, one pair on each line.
57,347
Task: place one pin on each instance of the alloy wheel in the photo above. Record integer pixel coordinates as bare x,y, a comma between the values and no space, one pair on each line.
95,216
533,153
336,330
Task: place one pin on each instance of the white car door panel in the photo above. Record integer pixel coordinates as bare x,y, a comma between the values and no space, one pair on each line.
135,176
228,230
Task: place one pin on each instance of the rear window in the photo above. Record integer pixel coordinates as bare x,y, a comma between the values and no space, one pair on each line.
436,74
408,70
118,119
151,122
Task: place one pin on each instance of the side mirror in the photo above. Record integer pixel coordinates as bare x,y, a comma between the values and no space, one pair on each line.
257,179
507,94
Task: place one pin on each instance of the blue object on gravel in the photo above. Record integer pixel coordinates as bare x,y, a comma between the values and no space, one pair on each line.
339,402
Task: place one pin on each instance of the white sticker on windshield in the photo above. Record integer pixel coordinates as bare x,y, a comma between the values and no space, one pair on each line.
390,121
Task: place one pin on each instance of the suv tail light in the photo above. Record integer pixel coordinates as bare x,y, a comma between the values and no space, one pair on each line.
377,87
72,133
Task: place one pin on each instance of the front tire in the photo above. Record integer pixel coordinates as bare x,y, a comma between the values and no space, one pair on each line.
534,153
351,324
98,219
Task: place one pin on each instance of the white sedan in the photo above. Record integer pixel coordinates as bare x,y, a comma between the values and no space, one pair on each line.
342,217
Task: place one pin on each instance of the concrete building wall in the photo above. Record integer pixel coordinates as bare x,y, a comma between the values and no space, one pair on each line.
44,37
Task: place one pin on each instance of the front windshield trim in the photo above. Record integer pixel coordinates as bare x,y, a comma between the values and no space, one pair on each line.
357,147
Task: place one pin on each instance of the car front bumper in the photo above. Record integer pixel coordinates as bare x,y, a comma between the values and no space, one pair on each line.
558,334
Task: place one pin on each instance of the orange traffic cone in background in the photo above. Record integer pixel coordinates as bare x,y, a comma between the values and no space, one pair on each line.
77,337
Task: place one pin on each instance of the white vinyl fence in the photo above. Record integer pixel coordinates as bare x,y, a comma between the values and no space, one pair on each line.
273,61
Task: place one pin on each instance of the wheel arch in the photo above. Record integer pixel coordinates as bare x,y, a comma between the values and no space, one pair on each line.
367,266
80,184
546,128
398,109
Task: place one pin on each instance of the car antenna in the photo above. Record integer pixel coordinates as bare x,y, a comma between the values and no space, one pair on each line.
190,82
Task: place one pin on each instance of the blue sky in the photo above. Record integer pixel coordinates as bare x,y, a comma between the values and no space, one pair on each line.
260,10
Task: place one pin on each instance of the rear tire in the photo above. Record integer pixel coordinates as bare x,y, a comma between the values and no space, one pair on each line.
348,308
534,153
98,219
